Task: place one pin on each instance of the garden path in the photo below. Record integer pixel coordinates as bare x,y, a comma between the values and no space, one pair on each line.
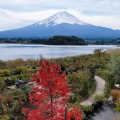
14,86
100,86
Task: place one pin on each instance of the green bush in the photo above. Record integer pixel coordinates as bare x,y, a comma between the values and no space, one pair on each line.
2,64
18,70
1,71
99,97
117,108
4,117
72,99
5,72
22,97
2,84
34,67
10,81
21,70
87,108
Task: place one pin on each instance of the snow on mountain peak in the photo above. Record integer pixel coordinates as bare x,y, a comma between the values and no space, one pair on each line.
61,17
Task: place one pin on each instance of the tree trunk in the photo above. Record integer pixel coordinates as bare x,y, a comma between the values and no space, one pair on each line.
51,100
65,114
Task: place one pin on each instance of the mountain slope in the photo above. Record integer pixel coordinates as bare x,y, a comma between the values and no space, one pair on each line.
60,18
61,23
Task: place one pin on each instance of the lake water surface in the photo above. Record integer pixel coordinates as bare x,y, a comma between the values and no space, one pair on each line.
13,51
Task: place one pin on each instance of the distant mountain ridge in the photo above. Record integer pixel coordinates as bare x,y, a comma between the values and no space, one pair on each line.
62,23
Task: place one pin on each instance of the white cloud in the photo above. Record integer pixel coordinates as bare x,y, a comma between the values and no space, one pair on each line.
11,2
11,20
19,13
104,21
109,21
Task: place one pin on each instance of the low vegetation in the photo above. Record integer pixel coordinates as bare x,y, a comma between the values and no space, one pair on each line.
80,71
99,97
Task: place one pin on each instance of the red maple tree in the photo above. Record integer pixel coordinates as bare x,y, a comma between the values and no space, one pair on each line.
50,94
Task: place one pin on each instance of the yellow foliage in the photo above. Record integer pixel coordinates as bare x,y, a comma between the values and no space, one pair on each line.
115,94
4,117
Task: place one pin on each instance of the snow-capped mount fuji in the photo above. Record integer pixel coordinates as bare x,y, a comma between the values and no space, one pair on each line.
62,23
60,18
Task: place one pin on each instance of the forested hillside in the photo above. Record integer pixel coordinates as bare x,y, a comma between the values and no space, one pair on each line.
65,40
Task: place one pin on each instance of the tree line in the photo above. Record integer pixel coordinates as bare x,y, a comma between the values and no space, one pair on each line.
55,40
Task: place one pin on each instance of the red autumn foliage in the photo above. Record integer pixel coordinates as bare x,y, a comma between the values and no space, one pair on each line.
50,95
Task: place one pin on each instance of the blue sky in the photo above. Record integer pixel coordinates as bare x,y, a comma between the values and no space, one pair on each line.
20,13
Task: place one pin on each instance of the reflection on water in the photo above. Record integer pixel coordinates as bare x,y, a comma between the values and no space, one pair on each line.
12,51
106,112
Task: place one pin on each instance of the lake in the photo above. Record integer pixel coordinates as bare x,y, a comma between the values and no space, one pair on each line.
25,51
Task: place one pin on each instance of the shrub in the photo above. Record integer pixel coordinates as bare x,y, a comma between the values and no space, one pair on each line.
14,63
34,67
8,99
18,70
1,71
10,81
87,108
21,69
2,84
2,64
5,72
99,97
4,117
22,97
72,99
115,94
117,104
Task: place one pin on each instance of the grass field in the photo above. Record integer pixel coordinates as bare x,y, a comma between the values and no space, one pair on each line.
112,50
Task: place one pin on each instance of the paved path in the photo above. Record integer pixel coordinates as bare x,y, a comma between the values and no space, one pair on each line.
14,86
100,86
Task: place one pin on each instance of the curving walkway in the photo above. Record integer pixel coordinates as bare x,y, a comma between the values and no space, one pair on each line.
100,86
